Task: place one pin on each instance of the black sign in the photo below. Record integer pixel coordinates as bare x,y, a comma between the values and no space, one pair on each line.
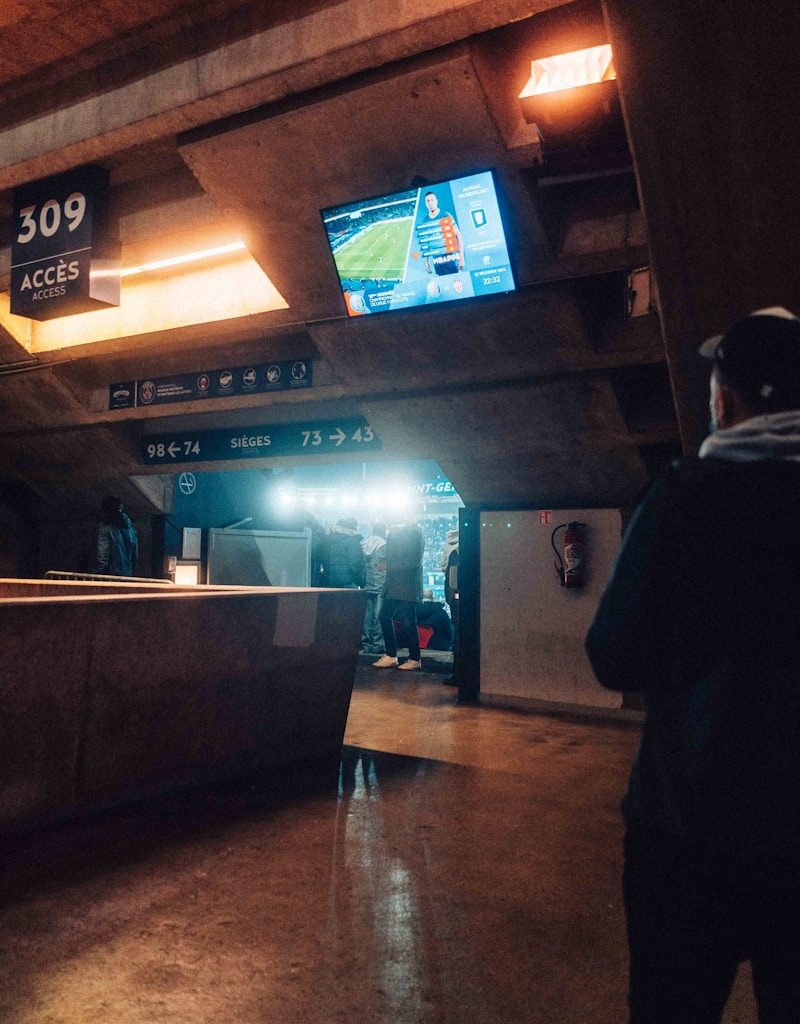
260,442
64,259
254,379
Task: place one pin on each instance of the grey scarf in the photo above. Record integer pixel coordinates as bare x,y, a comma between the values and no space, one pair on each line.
774,436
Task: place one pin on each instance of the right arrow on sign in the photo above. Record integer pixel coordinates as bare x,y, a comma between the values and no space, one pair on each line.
338,437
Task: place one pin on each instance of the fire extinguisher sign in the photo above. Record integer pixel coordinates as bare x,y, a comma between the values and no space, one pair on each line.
546,518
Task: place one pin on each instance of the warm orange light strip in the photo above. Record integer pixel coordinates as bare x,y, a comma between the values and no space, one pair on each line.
176,261
570,70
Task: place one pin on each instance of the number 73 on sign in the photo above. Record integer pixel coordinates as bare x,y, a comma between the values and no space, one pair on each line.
314,438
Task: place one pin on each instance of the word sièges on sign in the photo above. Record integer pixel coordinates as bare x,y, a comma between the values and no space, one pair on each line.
259,442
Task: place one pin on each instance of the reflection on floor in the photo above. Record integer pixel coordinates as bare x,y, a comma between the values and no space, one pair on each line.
460,865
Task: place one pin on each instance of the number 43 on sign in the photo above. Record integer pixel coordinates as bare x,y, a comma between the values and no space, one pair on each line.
314,438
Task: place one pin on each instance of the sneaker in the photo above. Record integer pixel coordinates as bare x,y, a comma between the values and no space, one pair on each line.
385,662
410,665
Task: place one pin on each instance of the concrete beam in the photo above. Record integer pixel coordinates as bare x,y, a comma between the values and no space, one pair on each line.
711,108
428,118
325,46
148,232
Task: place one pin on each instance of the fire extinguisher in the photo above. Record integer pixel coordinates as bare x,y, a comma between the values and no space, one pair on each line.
570,567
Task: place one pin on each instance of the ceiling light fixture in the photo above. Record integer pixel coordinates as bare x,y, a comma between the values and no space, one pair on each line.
176,261
570,70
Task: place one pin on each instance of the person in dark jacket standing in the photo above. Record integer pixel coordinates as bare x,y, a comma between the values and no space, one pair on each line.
341,557
402,591
117,543
701,615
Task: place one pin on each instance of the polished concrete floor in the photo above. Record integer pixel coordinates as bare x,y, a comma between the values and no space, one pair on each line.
461,865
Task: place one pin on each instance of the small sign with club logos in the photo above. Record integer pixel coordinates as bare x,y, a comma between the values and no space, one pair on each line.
253,379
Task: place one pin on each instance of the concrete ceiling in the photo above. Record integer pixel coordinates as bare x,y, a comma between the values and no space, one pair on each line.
520,398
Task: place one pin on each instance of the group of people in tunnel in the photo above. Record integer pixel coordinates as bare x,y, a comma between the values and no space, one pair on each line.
388,565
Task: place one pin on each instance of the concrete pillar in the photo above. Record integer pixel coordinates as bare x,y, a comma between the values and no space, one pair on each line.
709,92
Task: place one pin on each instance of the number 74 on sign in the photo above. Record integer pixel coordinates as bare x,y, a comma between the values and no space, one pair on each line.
173,449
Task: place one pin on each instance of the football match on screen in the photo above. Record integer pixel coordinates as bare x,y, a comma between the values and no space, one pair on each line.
419,247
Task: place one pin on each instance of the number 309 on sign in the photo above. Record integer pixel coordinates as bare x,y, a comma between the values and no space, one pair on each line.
50,215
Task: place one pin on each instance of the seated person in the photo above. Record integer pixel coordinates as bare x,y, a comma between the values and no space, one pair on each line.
431,613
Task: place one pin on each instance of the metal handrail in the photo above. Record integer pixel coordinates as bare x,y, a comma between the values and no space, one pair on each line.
96,577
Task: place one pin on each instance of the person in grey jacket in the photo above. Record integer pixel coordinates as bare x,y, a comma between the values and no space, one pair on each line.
117,543
700,616
374,549
401,592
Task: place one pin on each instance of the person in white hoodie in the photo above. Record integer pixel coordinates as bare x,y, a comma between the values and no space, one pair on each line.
374,548
700,616
450,544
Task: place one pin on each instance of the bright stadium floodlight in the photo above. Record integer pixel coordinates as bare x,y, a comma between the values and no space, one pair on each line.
400,498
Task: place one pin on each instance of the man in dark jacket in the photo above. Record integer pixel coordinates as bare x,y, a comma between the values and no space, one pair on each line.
341,557
701,615
117,542
402,590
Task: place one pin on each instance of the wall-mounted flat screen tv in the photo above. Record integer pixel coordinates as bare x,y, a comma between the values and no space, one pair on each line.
420,247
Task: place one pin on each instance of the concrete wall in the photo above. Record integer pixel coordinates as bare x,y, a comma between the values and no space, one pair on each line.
532,629
15,541
107,698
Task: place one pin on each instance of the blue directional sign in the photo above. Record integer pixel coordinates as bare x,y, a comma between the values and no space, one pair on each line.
64,248
268,441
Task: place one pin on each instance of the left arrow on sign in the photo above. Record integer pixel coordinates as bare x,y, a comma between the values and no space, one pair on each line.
338,437
173,449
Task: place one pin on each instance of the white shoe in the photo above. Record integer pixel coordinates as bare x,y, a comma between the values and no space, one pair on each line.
385,662
409,665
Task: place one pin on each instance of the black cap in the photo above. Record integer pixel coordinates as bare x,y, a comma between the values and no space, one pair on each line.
761,354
